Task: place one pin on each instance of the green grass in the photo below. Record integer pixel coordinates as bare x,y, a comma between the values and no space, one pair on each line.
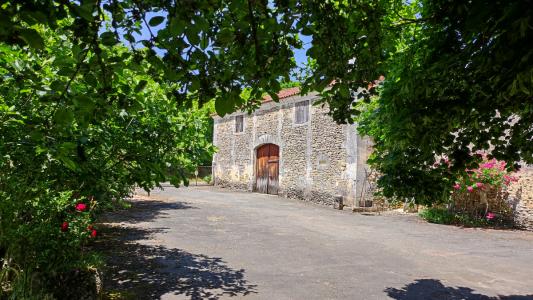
441,215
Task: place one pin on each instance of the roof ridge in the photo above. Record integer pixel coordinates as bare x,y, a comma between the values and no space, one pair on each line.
283,93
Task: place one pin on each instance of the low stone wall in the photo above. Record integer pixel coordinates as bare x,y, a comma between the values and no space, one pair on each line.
521,193
314,196
234,185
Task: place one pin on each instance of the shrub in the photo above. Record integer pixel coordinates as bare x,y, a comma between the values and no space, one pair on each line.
208,179
482,192
73,146
44,237
440,215
479,198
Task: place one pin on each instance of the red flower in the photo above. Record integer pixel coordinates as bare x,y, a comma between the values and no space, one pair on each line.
64,226
81,206
90,227
93,233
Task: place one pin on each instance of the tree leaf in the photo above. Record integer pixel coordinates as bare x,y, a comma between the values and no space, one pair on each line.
140,86
176,27
85,11
32,38
204,42
108,38
156,20
69,163
223,106
64,116
225,36
192,35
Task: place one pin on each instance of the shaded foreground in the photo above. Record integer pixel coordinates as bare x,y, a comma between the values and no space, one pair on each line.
206,243
136,270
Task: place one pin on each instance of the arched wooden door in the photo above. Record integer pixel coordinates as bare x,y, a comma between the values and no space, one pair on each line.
267,169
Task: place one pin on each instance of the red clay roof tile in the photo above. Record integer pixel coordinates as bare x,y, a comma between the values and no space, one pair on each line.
285,93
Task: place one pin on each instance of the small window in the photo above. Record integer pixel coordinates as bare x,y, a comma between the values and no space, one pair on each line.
239,123
301,112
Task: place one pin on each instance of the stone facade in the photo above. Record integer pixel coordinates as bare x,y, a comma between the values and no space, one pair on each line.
318,159
521,194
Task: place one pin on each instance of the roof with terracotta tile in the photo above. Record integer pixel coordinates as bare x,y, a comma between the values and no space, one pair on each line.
285,93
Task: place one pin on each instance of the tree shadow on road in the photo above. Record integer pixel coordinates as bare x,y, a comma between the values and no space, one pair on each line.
144,211
432,289
141,271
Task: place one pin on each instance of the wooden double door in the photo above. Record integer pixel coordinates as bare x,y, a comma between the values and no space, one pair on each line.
267,169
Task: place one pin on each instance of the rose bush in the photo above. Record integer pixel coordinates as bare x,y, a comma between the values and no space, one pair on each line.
482,192
73,147
479,197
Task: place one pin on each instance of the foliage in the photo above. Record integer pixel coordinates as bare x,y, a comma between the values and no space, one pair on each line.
444,216
458,77
208,179
81,114
491,173
70,139
457,80
477,199
438,215
209,49
482,193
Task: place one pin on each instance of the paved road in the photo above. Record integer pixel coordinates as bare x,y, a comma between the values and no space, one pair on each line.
208,243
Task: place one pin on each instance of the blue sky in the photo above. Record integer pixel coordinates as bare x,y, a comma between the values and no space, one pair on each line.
299,54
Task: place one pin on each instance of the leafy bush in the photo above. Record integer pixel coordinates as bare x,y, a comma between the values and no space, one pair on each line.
208,179
440,215
482,192
72,146
479,198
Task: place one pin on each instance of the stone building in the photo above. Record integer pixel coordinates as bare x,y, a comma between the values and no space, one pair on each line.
521,195
294,149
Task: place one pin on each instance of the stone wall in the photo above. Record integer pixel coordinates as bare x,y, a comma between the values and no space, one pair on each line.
328,157
295,165
521,193
231,164
313,155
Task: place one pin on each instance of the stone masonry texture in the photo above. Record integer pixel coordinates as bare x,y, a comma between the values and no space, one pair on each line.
318,159
521,194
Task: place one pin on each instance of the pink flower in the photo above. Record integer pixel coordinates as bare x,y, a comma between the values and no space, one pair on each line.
470,189
490,216
489,165
479,184
508,179
81,206
456,186
64,226
93,233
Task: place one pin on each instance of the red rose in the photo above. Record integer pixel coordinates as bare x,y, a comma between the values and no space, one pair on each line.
64,226
93,233
81,206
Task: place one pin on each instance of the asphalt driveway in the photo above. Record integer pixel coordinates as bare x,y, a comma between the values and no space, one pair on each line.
209,243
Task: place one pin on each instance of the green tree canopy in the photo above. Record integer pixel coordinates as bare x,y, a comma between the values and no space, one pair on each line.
69,142
459,80
450,66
